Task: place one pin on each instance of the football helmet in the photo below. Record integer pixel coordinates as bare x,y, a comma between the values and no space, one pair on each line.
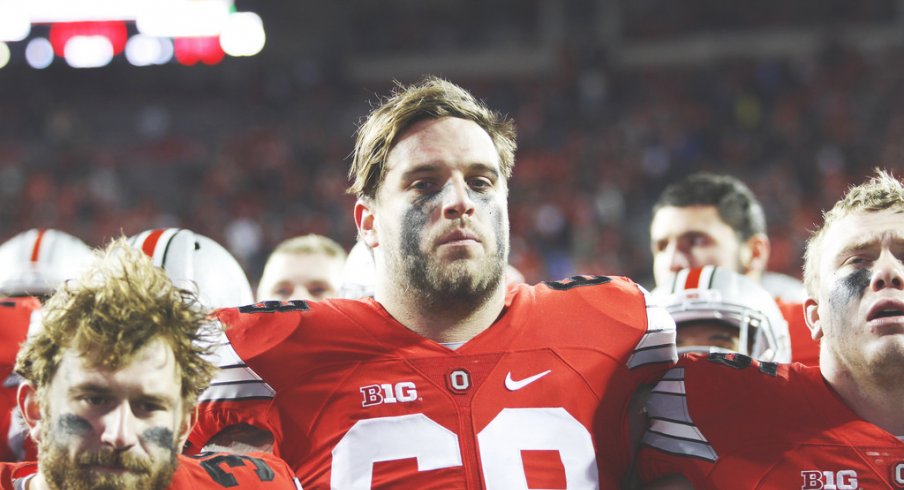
715,293
197,263
37,261
359,275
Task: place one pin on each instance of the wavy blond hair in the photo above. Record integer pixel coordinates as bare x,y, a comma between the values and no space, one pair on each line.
882,191
119,306
431,98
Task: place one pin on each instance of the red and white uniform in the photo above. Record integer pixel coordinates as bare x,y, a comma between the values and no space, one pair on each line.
357,401
16,315
724,421
204,471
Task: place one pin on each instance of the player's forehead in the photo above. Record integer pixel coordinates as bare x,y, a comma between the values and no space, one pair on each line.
441,145
862,231
152,371
675,221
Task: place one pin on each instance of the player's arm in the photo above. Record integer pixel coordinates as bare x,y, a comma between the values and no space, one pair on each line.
241,438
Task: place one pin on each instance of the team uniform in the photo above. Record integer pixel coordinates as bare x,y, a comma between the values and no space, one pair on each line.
804,349
204,471
355,400
725,421
16,316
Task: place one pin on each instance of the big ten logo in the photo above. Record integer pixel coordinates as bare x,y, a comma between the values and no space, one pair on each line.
829,480
388,393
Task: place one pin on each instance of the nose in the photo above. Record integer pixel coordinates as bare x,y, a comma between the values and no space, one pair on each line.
677,259
120,427
457,202
888,272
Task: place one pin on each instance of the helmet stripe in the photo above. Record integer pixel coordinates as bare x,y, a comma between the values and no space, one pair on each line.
37,249
150,243
693,278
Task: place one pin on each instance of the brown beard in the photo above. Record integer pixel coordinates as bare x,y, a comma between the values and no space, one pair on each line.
84,471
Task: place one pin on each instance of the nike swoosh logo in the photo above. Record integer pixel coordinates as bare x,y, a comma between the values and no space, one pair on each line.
513,385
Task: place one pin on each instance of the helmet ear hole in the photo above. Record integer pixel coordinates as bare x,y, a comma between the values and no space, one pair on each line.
37,261
717,294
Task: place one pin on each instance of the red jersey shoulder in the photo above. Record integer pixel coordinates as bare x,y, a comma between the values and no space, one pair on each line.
804,349
226,470
617,298
10,472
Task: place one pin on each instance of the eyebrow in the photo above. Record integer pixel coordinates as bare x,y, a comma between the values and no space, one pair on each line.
871,241
426,168
90,387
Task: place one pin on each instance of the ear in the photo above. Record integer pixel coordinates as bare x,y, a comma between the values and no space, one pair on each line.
365,220
187,425
27,401
755,255
811,314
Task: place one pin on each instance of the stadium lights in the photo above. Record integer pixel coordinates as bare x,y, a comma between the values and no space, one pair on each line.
84,31
4,54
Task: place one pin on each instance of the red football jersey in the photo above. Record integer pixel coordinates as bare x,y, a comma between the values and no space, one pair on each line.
355,400
725,421
804,349
15,318
207,470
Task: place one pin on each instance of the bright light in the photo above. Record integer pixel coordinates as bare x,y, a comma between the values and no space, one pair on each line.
4,54
39,53
243,34
14,21
89,51
181,18
144,50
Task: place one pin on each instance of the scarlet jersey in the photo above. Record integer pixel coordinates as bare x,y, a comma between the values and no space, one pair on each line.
207,470
804,349
725,421
355,400
15,318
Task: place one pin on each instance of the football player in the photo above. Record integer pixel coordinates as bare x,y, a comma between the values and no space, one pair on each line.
196,262
718,310
726,421
446,378
712,219
307,267
32,264
111,381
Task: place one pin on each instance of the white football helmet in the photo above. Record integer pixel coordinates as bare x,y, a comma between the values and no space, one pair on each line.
37,261
716,293
197,263
359,275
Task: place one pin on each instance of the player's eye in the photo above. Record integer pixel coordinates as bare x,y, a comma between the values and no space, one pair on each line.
481,184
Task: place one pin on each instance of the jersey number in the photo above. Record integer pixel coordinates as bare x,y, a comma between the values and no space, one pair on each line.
214,467
501,442
577,281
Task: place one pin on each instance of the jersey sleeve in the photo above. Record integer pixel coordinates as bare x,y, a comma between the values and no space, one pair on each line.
656,351
236,395
227,470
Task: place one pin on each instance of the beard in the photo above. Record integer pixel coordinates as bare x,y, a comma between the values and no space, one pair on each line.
450,286
84,470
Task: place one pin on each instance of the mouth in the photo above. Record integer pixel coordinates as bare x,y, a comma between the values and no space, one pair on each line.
886,311
459,237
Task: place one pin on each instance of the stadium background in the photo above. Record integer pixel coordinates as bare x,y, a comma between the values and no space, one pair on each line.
613,100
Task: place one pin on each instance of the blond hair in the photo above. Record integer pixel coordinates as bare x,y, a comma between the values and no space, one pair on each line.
882,191
310,244
431,98
119,306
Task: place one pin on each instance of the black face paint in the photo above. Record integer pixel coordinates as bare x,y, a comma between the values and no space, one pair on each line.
160,436
422,276
847,289
73,425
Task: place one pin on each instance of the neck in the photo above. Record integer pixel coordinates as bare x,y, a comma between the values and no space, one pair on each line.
451,322
875,399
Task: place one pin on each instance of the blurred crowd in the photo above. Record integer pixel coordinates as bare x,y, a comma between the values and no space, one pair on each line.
255,158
